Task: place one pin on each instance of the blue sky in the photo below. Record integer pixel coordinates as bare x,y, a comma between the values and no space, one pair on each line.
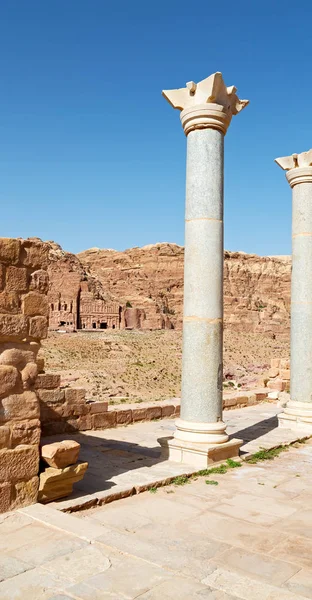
90,152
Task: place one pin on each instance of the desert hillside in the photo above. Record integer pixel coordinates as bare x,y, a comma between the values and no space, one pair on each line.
256,288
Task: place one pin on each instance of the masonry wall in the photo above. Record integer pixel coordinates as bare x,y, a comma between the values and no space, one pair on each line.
23,323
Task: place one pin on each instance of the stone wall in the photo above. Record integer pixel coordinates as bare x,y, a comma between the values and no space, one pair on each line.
23,323
279,375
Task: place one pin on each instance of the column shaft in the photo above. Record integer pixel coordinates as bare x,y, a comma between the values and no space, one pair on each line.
301,295
203,278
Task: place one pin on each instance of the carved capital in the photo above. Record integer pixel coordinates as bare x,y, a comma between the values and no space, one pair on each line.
208,103
298,167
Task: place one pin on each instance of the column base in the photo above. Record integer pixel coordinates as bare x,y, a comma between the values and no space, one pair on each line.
298,416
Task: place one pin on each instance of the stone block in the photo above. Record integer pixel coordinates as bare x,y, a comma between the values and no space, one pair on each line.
5,497
13,326
167,411
24,493
29,375
16,357
275,363
75,395
26,432
58,483
39,281
4,437
9,303
82,423
53,427
273,372
9,251
104,420
53,396
285,363
38,327
146,414
260,396
9,379
34,304
177,410
229,401
48,412
285,374
20,463
16,279
98,407
276,384
34,254
124,417
47,381
19,407
61,454
40,364
252,399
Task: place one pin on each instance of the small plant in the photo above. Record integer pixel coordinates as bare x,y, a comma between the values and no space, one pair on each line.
153,490
180,480
212,482
233,464
263,454
128,304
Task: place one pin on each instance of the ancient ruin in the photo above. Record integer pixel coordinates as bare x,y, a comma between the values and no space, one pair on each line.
207,109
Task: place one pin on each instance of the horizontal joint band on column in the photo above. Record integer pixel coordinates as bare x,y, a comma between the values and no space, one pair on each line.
305,233
203,219
192,318
301,302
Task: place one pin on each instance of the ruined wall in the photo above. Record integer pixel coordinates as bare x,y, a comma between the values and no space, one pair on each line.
23,323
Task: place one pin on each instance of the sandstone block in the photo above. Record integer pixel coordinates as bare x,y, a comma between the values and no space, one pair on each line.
58,483
285,374
252,399
231,401
75,395
24,493
5,497
38,327
34,254
4,437
276,384
53,427
9,378
35,304
9,250
98,407
9,303
17,358
177,410
39,281
61,454
29,374
124,417
26,432
275,363
167,411
260,396
146,414
16,279
47,381
82,423
104,420
13,326
273,372
285,363
19,407
53,396
48,412
20,463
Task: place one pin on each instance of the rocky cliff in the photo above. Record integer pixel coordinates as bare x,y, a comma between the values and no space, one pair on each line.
256,288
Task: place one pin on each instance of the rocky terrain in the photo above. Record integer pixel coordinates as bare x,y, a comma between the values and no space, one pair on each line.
124,366
256,288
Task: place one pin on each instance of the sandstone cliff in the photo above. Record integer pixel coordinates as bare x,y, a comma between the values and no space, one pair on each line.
256,289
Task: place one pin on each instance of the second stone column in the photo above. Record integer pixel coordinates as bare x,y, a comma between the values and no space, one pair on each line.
207,109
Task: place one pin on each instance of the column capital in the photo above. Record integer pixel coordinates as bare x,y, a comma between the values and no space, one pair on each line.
207,104
298,167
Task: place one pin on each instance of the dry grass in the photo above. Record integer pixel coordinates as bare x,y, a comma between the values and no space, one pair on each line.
132,366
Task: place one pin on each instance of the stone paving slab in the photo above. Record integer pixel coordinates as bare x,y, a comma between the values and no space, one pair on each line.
126,460
174,543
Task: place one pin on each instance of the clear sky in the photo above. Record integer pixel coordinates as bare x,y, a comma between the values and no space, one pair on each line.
90,152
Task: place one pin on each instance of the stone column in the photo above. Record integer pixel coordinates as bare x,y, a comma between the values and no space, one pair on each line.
207,109
298,412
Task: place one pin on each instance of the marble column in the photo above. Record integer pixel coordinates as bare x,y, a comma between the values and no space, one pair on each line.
298,412
206,112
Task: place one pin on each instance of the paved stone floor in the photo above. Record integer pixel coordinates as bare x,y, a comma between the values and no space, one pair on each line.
249,537
127,458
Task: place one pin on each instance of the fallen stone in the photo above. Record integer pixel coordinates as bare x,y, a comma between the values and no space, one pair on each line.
58,483
61,454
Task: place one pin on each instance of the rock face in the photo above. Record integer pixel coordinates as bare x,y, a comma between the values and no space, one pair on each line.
256,288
